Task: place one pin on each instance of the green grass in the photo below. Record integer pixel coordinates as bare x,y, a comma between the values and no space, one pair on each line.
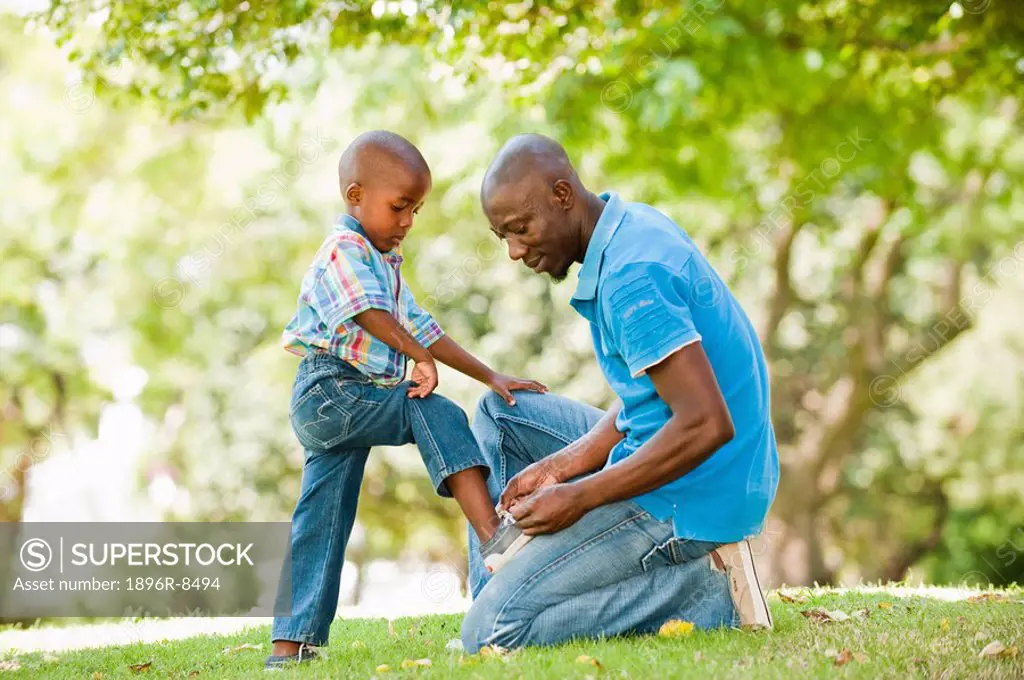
917,636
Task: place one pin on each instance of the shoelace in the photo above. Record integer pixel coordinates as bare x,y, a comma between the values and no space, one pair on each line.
307,651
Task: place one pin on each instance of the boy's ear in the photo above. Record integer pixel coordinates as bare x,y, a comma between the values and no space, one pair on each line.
353,194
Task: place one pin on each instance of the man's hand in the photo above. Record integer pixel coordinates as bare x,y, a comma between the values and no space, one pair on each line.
549,509
534,476
424,378
504,384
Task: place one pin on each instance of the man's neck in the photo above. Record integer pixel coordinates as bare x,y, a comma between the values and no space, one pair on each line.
594,207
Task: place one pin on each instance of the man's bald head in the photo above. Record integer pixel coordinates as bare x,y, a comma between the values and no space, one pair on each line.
528,156
374,156
535,201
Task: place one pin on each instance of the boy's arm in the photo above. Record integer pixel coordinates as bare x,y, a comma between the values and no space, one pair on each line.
384,327
448,352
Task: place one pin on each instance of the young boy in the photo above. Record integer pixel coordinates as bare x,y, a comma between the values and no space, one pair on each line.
356,327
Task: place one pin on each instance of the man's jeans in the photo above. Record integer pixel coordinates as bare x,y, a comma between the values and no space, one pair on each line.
617,570
338,414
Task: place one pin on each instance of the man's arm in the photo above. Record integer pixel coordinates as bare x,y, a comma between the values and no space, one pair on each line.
699,426
590,452
586,454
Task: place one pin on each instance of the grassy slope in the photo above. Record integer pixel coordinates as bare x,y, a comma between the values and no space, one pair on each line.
916,636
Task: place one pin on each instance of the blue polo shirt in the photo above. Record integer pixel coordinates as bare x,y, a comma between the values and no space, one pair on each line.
647,291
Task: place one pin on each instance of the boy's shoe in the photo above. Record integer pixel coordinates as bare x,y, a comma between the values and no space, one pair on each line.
747,595
305,654
508,540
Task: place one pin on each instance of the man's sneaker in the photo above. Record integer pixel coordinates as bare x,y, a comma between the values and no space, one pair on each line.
305,654
747,595
508,540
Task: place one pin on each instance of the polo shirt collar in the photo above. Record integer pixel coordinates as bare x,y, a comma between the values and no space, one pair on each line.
611,217
346,221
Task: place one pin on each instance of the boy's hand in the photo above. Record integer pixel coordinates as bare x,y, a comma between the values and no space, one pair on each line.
424,377
504,384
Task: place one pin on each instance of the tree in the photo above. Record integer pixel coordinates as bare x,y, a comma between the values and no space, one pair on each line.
854,169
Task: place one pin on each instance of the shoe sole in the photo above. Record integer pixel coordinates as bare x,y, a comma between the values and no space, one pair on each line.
494,563
741,571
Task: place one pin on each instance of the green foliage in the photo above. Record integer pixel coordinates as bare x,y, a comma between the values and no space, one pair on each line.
853,169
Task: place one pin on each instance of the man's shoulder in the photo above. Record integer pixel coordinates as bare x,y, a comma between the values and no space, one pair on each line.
645,237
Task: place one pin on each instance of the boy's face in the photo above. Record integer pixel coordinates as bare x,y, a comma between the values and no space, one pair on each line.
386,206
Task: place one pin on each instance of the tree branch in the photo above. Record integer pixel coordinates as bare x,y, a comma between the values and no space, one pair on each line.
897,567
783,294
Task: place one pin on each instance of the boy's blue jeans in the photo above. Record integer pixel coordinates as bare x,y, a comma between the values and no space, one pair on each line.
337,414
617,570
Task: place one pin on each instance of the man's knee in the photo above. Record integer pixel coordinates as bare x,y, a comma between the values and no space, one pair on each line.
481,626
489,406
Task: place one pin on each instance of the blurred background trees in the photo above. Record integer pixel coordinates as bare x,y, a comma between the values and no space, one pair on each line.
853,170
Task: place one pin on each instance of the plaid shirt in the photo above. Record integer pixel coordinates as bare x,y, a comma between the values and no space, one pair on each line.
349,276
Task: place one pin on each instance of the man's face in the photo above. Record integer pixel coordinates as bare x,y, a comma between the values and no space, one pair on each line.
535,225
386,208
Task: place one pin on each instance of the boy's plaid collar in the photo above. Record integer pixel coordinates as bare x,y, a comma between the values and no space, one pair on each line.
346,221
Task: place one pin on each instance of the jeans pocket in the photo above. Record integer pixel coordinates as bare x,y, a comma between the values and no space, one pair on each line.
676,551
319,421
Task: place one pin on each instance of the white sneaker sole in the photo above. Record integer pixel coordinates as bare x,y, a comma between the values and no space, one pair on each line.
494,563
744,586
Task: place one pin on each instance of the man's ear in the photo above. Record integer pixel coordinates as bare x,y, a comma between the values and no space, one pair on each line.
353,194
564,196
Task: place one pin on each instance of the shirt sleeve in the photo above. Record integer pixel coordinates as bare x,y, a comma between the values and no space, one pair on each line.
421,325
646,314
347,286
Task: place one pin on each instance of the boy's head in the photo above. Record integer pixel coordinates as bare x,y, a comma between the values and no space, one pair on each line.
384,180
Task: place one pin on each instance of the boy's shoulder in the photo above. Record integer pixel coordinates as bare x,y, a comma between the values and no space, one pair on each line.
345,243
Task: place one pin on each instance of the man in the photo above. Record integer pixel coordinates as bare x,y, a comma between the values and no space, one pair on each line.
640,514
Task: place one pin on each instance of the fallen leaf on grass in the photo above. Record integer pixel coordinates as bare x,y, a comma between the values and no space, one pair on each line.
989,597
825,616
194,674
358,644
583,658
864,613
885,605
241,648
842,658
790,599
997,650
383,668
97,676
493,650
417,663
140,667
675,628
944,624
12,665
